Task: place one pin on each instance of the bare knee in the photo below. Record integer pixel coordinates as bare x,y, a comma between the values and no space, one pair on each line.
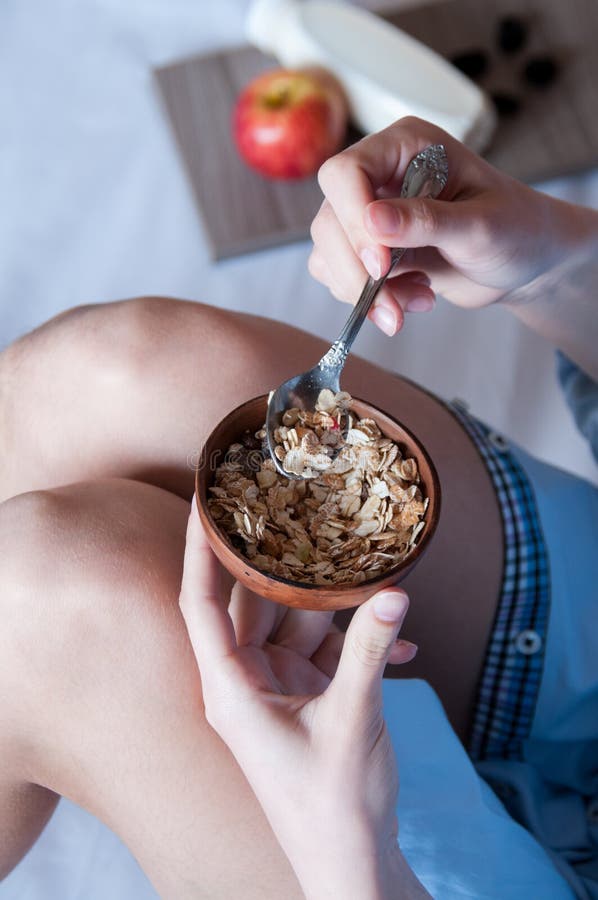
196,345
125,343
132,389
39,613
73,390
116,350
84,567
111,533
25,806
30,530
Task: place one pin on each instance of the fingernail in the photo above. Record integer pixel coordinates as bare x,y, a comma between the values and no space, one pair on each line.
371,261
384,218
390,607
408,647
385,320
420,278
420,304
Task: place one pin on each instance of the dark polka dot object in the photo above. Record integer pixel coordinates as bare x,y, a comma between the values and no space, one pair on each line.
506,70
512,34
541,71
506,104
474,63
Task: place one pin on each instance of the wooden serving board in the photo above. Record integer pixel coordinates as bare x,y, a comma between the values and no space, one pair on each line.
554,133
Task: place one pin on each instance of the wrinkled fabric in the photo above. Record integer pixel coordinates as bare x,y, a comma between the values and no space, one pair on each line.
453,830
581,394
553,790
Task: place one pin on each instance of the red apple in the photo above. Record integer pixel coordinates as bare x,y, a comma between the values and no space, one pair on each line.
288,121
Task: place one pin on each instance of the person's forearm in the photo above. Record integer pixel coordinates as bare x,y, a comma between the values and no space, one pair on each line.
562,303
386,877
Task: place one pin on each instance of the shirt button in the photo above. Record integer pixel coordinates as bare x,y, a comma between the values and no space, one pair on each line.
528,642
499,442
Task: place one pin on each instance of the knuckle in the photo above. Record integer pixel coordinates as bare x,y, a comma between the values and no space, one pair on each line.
339,292
424,217
218,700
318,224
422,129
184,602
369,649
332,170
316,266
327,172
323,223
411,122
215,718
484,229
314,228
211,713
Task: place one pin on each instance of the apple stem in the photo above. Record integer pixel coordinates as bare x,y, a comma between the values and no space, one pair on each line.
277,98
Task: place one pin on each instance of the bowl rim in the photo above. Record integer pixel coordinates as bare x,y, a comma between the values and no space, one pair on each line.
407,561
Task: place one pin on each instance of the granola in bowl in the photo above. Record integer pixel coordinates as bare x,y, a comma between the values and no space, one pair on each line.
355,513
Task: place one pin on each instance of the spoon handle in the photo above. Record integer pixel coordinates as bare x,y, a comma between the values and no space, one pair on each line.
426,176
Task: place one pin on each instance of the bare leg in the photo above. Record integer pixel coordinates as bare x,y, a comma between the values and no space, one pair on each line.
132,389
100,698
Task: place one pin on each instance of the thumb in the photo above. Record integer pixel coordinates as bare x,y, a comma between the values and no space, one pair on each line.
420,222
368,643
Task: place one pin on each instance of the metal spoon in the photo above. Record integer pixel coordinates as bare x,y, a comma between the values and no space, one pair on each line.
426,176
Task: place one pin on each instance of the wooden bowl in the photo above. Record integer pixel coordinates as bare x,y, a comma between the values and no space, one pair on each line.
251,415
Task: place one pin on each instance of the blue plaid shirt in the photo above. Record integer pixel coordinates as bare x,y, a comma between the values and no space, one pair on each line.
535,731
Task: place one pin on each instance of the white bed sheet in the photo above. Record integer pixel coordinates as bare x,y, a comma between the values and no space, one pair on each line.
454,831
95,206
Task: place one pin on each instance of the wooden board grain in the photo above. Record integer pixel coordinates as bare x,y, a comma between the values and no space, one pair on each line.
554,133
